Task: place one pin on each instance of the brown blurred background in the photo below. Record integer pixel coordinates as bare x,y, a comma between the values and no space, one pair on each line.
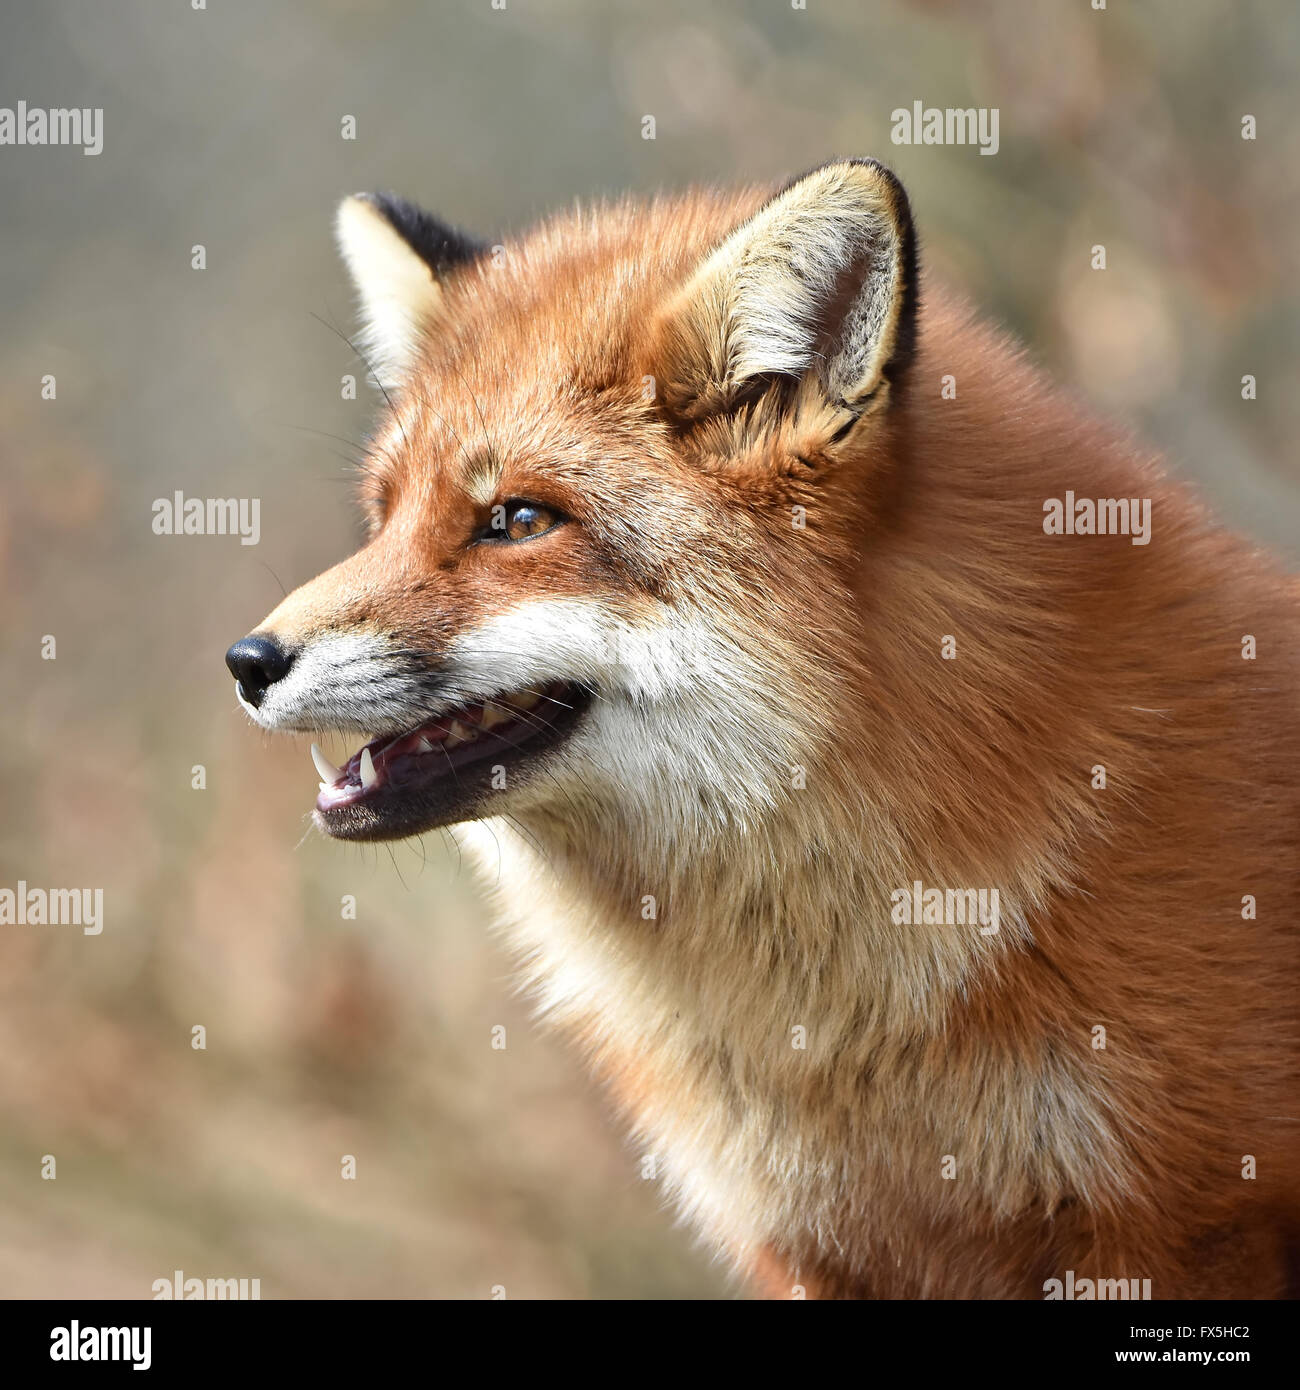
372,1037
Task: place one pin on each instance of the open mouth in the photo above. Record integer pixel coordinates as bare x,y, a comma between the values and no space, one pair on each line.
444,770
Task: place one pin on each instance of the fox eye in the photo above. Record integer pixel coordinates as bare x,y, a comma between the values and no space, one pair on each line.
518,520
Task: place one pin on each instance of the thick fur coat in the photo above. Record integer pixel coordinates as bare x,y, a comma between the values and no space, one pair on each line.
829,651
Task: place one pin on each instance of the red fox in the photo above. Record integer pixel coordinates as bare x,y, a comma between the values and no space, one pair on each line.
891,776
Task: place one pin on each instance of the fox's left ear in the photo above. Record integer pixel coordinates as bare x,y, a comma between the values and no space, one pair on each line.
816,291
399,257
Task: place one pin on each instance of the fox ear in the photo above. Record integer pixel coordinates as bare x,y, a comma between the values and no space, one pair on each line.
397,255
817,288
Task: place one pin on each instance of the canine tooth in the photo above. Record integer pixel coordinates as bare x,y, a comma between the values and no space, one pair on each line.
329,774
459,733
524,700
424,746
368,774
494,716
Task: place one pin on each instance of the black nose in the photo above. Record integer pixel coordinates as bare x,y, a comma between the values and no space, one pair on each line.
256,663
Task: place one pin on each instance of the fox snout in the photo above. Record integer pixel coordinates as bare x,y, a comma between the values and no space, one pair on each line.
458,719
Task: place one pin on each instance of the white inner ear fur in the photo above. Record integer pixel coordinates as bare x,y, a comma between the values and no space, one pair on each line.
819,266
399,296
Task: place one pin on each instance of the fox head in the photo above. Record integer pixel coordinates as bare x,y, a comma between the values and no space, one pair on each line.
624,463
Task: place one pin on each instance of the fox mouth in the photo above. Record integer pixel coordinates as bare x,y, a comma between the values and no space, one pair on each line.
446,769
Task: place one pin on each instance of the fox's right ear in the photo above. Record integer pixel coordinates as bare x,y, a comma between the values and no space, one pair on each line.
814,295
398,255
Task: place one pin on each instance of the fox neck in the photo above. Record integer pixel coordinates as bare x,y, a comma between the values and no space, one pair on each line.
725,999
764,1014
796,910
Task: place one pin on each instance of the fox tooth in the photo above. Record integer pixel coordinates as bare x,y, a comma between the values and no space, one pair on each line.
368,774
494,716
329,774
424,746
524,700
459,733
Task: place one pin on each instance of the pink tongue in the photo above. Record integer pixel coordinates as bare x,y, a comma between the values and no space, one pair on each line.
421,740
432,734
410,743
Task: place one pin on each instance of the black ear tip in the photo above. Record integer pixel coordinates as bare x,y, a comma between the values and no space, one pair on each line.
400,213
440,245
376,202
381,204
902,205
392,205
869,161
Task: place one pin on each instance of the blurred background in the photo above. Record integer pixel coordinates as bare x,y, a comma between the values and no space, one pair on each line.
372,1037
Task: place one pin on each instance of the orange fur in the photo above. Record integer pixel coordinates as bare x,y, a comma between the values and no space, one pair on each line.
823,1166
